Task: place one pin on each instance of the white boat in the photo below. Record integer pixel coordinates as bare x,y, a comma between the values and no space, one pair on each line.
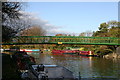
29,50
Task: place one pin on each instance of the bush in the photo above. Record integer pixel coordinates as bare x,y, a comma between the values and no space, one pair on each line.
9,68
103,52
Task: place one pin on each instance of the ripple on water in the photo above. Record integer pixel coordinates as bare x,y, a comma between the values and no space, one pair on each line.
87,66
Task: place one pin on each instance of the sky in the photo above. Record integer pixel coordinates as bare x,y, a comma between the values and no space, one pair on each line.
71,17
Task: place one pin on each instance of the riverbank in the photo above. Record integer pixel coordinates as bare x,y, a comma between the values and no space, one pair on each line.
112,56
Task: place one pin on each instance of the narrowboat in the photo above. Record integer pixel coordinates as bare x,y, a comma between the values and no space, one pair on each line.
76,52
64,51
87,53
57,51
69,51
29,50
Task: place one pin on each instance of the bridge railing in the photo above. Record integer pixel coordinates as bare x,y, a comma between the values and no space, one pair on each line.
86,40
65,40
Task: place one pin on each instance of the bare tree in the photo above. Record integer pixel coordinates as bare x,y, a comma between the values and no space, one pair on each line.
33,31
87,33
82,34
10,12
12,20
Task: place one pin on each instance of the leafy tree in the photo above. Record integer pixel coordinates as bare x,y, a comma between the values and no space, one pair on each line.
103,52
114,32
7,33
103,27
109,29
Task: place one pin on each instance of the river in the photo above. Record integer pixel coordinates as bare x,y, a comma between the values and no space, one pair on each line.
89,67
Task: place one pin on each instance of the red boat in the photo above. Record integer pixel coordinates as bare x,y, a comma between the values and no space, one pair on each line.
57,51
69,51
64,51
86,53
77,52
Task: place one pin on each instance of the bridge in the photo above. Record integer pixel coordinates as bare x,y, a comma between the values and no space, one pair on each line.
20,40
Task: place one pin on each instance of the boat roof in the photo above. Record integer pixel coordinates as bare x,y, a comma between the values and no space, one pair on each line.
55,71
35,66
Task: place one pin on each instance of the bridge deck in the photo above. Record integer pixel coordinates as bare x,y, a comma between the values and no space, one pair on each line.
20,40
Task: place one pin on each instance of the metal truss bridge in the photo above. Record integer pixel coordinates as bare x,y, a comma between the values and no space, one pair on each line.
20,40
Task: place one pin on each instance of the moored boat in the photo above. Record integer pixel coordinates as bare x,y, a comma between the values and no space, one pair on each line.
87,53
69,51
29,50
57,51
64,51
76,52
48,72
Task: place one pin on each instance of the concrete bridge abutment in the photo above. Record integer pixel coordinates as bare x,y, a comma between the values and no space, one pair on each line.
118,50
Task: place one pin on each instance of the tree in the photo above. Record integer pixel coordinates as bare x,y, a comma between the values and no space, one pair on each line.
109,29
69,35
10,12
7,33
113,24
114,29
82,34
114,32
61,35
87,33
103,27
33,31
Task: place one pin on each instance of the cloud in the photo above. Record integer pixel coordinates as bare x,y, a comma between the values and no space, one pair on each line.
51,29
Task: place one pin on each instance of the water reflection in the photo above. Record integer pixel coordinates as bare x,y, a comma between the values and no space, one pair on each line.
88,67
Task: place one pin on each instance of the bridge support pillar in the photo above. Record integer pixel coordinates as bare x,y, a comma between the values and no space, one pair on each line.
118,50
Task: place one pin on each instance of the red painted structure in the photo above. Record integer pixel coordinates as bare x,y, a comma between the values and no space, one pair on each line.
84,53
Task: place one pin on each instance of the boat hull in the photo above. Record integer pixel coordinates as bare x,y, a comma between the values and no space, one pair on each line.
64,51
74,52
50,72
87,53
29,50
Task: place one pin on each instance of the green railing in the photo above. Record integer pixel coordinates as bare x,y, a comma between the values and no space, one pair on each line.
64,40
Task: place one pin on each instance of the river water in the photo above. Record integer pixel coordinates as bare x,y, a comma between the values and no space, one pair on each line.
89,67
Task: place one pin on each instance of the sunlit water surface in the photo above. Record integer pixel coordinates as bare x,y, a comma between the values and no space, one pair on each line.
89,67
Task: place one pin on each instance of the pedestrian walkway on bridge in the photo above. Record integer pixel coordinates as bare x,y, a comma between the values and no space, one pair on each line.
64,40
